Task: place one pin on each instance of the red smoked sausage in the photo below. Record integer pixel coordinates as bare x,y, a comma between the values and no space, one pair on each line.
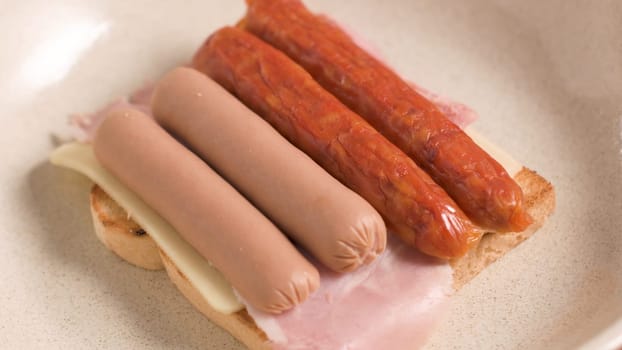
346,146
478,183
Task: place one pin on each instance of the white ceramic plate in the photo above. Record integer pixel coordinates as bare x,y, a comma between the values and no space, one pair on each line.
546,78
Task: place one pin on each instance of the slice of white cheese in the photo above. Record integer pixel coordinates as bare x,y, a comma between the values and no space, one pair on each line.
206,279
511,165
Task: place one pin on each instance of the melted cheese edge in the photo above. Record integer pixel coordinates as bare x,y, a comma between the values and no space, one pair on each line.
202,275
206,279
511,165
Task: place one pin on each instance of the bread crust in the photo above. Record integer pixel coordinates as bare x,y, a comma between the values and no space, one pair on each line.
540,203
239,324
117,231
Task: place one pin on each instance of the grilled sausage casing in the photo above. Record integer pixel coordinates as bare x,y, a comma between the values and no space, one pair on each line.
477,182
342,142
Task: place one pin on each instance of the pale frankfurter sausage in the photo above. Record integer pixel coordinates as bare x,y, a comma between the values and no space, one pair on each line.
336,225
253,255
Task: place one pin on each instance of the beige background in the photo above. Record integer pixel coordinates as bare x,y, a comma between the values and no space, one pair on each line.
546,77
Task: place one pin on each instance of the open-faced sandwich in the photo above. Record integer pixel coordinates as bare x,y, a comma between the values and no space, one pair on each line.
299,192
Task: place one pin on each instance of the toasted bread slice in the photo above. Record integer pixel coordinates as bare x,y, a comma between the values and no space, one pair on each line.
540,201
119,233
124,237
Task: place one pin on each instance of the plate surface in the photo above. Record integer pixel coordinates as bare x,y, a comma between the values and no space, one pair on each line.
546,78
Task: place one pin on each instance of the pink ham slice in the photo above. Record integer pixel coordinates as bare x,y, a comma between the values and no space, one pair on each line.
460,114
395,303
84,126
